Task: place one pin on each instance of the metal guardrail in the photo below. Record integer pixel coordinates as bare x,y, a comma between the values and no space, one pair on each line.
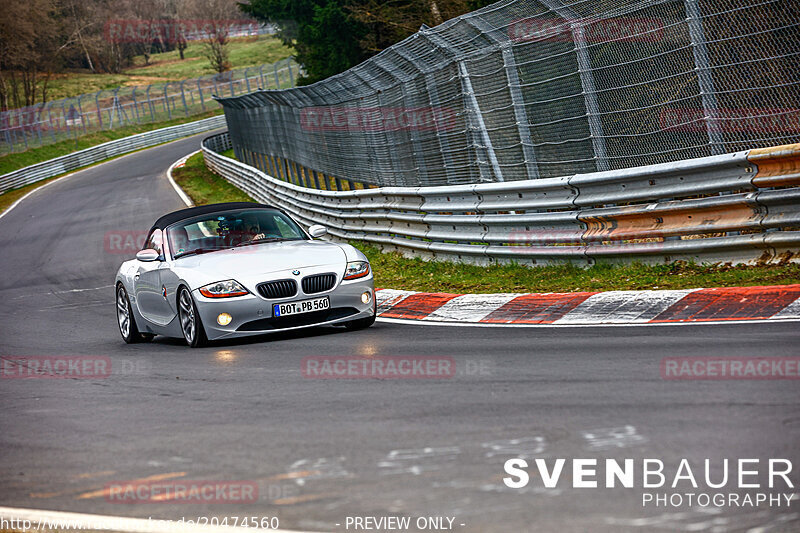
713,209
76,160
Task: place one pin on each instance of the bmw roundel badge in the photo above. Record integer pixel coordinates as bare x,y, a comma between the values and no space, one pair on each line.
296,272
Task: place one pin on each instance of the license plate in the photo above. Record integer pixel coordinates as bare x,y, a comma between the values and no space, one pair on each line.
297,308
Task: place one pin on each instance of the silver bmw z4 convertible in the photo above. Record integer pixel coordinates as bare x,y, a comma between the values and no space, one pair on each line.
236,269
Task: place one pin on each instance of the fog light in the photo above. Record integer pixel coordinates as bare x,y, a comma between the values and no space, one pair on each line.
224,319
366,297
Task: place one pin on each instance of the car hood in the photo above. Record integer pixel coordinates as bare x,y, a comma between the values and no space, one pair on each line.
257,260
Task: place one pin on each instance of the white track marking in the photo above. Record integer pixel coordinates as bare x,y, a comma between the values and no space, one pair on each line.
790,311
121,524
37,189
622,307
412,322
470,307
186,200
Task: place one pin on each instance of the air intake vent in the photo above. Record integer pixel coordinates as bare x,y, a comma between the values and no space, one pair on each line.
318,283
278,289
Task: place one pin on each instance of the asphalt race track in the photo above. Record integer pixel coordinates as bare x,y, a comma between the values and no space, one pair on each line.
321,450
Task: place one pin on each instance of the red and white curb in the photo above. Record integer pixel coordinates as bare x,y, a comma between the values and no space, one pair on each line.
177,164
780,302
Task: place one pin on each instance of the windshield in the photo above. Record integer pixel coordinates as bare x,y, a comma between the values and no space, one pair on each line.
228,229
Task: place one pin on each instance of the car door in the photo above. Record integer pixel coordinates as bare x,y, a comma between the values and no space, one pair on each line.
151,300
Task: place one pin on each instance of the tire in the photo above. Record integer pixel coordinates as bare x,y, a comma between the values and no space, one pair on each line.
127,324
361,323
192,327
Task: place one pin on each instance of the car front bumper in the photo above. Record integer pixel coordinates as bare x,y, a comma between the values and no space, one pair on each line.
252,314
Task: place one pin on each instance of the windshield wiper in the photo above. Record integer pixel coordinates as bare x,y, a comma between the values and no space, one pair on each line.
196,251
260,241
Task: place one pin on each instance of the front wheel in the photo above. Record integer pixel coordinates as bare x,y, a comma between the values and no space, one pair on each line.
191,325
127,324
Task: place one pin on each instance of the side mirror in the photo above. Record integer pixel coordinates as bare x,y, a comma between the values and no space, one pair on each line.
147,255
317,231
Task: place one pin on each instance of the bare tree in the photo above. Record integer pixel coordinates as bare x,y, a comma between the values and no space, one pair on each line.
216,16
28,51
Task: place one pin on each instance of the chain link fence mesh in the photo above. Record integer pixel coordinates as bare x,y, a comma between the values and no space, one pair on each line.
527,89
69,118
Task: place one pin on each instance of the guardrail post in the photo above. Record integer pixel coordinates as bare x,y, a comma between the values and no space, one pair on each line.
313,173
705,79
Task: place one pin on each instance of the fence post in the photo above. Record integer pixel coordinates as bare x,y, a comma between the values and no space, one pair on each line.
167,107
277,79
587,81
477,119
183,99
291,75
136,105
515,91
150,105
261,75
704,77
200,90
247,80
50,120
97,107
80,112
520,114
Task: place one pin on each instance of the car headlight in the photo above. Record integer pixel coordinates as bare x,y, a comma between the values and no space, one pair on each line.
356,269
223,289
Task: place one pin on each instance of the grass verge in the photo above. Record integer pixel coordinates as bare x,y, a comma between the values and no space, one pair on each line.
205,187
392,270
